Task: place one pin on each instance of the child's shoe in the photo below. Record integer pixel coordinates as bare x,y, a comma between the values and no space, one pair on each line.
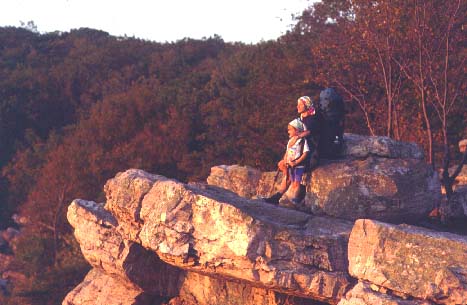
274,199
296,201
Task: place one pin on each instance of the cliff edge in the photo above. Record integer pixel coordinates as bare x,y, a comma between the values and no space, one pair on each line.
159,241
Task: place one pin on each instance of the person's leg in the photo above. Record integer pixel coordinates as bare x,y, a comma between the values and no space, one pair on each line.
296,184
283,186
285,177
294,187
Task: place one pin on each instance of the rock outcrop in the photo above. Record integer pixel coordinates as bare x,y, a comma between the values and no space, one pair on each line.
105,249
214,232
410,260
159,241
358,146
202,289
99,287
377,178
368,294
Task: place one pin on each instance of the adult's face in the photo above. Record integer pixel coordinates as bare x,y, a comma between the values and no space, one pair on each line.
300,107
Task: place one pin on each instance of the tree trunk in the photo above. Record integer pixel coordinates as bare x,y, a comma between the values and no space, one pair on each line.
57,217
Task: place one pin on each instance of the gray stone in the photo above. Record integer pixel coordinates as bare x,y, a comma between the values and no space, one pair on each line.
385,189
418,262
391,190
204,290
99,288
124,194
362,294
104,248
233,177
359,146
209,230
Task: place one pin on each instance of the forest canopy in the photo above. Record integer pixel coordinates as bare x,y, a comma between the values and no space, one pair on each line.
78,107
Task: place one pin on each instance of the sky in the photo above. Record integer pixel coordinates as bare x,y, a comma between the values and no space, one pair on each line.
248,21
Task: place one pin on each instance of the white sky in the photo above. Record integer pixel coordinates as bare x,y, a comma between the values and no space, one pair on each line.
159,20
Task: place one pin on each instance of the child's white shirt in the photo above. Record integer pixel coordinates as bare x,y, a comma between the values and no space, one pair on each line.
294,151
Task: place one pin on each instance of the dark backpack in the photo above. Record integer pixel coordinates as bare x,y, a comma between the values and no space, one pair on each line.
332,109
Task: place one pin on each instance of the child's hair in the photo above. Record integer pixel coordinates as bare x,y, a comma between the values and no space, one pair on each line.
297,124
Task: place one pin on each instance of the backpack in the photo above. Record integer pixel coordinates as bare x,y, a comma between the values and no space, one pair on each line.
332,109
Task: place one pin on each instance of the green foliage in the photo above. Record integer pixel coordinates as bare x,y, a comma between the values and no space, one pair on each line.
47,281
32,253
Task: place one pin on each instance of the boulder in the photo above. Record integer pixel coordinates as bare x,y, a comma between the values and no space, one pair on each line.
99,287
385,189
418,262
204,290
157,238
456,207
363,294
104,248
125,202
209,230
234,177
358,146
393,190
206,229
245,181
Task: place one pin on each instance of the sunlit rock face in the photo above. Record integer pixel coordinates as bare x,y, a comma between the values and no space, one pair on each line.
418,262
376,178
391,190
205,229
358,146
159,241
151,227
104,248
124,194
201,289
99,287
366,294
210,230
245,181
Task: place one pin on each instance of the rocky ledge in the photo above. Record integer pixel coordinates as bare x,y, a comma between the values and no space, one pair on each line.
376,178
159,241
151,220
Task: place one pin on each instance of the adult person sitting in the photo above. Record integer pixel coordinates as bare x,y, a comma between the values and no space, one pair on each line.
312,120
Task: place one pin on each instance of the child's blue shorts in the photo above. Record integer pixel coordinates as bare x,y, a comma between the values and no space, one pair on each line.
296,173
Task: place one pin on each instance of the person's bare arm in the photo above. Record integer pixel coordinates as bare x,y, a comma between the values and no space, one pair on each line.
300,159
304,134
300,135
282,164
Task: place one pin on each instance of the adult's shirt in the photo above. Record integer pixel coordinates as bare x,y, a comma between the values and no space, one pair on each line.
313,123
